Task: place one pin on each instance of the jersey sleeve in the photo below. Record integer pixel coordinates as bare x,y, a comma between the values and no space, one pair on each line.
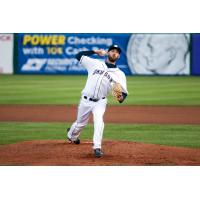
124,84
88,62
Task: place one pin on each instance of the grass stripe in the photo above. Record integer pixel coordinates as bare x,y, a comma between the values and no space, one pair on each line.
63,89
172,135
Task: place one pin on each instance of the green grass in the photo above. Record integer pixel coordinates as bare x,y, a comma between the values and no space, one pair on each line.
172,135
144,90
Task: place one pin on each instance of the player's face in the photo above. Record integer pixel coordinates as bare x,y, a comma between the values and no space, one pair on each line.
113,55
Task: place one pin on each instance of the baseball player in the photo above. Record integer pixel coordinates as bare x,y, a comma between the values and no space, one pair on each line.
103,77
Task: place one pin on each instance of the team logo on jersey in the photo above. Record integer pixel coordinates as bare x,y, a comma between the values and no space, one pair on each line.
97,71
100,72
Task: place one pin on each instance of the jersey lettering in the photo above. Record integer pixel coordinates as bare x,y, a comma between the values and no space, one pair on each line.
100,72
97,71
108,76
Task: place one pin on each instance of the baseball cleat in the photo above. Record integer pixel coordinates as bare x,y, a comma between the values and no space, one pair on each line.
98,153
77,141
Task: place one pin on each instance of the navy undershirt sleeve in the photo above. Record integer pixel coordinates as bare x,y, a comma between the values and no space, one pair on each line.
124,97
84,53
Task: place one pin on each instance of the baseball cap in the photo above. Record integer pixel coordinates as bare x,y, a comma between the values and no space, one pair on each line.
115,47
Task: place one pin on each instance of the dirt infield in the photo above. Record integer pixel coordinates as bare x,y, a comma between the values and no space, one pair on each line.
114,114
62,153
58,152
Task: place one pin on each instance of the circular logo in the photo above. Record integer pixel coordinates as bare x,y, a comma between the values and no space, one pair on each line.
158,54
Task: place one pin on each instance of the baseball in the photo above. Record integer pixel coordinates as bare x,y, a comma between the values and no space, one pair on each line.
103,52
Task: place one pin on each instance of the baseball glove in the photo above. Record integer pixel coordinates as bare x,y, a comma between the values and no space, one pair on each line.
117,91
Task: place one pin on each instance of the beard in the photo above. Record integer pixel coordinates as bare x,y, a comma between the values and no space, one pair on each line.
112,59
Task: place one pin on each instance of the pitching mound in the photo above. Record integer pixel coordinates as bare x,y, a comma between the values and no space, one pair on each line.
59,152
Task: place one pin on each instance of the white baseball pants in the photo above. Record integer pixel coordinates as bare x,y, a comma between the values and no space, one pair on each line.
86,107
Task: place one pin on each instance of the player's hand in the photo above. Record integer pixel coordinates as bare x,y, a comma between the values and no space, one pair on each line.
100,52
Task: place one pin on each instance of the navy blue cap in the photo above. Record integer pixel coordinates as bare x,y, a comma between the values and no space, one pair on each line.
115,47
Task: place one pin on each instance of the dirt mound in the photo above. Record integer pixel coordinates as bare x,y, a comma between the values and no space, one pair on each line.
116,153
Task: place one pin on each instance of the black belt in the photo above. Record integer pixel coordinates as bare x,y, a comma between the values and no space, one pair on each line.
91,99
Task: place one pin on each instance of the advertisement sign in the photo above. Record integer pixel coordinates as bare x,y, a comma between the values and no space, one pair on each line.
55,53
142,54
6,53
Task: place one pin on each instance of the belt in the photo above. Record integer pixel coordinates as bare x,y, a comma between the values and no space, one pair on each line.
91,99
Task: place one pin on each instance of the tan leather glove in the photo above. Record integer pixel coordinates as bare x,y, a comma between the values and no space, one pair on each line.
117,91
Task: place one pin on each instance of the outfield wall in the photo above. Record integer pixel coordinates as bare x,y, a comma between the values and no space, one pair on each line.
195,61
142,54
6,53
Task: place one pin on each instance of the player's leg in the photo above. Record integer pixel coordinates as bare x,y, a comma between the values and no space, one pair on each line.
98,112
83,115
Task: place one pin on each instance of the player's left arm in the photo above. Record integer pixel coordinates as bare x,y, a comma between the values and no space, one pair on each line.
124,93
118,92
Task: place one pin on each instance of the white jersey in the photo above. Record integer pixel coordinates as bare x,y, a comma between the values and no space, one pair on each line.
99,83
101,78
